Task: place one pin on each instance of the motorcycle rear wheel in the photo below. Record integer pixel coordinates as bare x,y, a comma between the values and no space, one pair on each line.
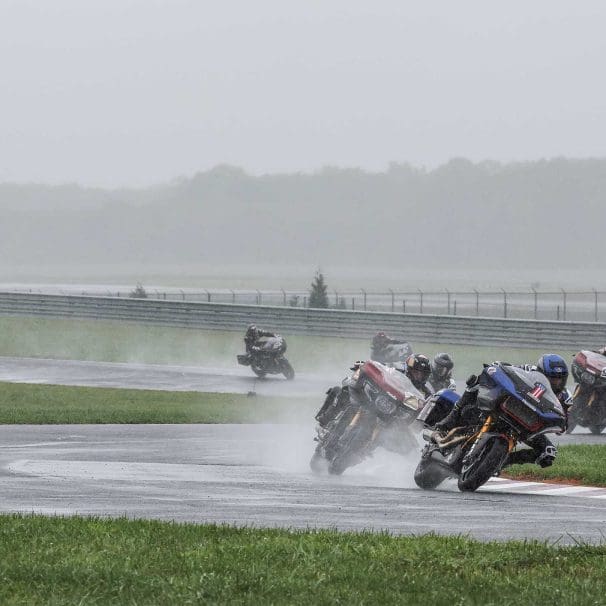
318,463
427,475
484,465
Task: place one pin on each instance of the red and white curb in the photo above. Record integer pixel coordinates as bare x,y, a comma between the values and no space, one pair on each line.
539,488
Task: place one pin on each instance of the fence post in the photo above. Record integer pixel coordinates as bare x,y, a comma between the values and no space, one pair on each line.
336,299
477,302
305,301
207,295
455,307
283,297
563,304
403,306
353,304
182,294
504,303
420,300
364,293
448,299
536,306
259,297
393,302
557,312
595,305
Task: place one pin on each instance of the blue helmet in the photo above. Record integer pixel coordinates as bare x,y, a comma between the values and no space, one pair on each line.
555,369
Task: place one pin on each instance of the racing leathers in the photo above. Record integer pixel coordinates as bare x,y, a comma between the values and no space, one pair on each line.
542,451
252,340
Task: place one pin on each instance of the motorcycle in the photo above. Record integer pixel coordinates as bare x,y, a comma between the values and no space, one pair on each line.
392,354
267,357
513,405
375,406
589,398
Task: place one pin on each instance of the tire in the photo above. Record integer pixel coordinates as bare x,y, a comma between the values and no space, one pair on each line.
427,474
341,462
597,429
318,463
258,371
348,448
484,465
287,370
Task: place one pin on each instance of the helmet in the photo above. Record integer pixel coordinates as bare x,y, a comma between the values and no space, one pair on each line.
555,369
442,365
252,332
418,369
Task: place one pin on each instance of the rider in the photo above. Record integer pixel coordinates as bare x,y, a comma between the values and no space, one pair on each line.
441,373
379,344
541,451
252,336
417,369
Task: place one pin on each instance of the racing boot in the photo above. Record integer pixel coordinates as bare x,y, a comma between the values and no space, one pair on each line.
454,416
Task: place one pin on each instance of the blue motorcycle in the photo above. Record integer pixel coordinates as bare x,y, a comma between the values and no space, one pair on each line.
513,405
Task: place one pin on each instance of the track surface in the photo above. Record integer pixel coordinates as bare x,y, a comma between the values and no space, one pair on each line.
257,474
253,474
153,376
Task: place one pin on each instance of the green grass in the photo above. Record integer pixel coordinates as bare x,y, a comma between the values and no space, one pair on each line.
56,404
584,463
94,561
130,342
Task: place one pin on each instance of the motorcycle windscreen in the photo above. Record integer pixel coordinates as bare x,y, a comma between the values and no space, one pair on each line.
535,388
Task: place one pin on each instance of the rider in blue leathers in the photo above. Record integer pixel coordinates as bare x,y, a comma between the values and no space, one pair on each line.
541,451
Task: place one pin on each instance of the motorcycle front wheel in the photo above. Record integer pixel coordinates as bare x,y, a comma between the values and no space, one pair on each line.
484,465
287,370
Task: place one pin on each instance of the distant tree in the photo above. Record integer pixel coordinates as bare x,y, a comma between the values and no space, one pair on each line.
341,303
318,296
139,292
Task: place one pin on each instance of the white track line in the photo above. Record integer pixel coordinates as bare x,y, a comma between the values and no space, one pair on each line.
543,488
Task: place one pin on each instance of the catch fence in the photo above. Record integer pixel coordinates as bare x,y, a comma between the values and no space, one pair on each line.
559,305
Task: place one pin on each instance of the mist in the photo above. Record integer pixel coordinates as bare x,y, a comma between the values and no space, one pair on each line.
461,218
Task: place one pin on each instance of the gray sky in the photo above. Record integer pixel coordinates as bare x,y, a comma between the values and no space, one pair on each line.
135,92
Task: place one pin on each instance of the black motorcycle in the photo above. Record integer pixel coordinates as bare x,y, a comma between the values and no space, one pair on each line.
374,407
513,405
267,357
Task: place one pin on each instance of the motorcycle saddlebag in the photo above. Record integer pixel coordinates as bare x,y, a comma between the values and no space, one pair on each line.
244,359
437,407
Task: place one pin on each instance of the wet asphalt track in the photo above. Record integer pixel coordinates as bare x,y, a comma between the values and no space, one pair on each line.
250,474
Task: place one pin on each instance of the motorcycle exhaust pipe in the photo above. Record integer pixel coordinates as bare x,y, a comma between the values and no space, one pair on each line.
429,435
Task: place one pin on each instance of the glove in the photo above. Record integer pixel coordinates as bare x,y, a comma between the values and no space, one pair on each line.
547,457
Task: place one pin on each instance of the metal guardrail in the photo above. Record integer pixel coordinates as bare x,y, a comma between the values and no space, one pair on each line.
560,305
464,330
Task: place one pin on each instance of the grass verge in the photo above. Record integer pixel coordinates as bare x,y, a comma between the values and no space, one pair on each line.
95,561
57,404
579,463
129,342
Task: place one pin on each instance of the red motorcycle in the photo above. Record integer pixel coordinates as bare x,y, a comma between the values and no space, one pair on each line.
589,399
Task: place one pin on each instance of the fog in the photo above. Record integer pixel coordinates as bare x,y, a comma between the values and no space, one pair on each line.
534,220
246,145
